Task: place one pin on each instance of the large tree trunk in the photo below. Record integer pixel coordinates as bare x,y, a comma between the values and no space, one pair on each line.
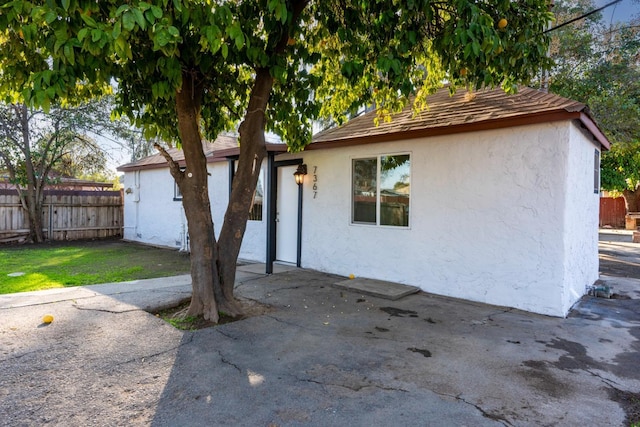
632,200
33,206
193,183
213,264
33,197
34,211
252,153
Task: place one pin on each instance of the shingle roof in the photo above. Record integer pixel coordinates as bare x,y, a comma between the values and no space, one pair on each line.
485,109
224,147
222,142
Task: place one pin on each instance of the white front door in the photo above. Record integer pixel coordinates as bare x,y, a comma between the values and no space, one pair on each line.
287,215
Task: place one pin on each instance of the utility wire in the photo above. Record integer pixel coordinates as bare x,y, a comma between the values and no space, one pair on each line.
582,16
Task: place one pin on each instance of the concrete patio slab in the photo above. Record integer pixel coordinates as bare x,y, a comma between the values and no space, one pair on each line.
377,288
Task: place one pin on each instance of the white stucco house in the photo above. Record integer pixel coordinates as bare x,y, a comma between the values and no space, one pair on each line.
489,197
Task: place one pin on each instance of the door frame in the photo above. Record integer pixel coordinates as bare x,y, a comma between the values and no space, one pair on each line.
272,194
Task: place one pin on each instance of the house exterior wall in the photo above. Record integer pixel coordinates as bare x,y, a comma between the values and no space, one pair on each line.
581,219
505,217
487,218
152,216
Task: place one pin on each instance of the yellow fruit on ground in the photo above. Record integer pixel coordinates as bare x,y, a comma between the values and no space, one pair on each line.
47,318
351,276
502,23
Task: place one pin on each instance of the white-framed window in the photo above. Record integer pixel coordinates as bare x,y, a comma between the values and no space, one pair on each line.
381,190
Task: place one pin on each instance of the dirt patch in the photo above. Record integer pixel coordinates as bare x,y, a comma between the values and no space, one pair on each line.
630,403
176,316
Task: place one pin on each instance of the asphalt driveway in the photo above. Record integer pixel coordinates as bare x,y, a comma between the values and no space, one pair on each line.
321,357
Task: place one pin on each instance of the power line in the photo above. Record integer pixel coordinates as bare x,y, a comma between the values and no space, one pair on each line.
582,16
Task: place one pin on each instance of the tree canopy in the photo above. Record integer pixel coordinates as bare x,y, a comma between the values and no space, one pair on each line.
36,148
599,64
326,57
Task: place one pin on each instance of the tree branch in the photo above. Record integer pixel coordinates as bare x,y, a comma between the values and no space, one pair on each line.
174,167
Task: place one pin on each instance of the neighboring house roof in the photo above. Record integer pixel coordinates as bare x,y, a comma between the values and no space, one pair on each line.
462,112
64,183
222,142
223,147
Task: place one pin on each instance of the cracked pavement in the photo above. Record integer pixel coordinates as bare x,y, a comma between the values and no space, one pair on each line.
322,356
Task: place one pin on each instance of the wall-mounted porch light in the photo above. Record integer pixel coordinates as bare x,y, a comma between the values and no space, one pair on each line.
300,173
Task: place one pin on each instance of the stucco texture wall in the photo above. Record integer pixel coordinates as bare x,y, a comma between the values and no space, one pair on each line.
487,217
150,214
153,217
581,219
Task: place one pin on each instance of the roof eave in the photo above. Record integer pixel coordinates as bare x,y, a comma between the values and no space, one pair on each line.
217,156
501,123
591,126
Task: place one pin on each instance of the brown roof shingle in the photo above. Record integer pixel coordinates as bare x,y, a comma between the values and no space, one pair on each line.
485,109
222,143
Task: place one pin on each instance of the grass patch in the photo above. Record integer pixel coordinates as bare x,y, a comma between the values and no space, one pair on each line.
56,265
176,316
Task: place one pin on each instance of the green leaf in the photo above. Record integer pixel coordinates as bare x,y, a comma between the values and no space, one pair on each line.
69,54
272,5
157,12
88,20
283,12
225,50
117,29
239,41
139,18
46,104
82,34
279,73
128,21
148,15
475,46
50,16
65,4
412,37
175,33
162,38
122,9
96,35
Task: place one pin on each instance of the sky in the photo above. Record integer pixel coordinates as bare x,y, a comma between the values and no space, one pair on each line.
619,12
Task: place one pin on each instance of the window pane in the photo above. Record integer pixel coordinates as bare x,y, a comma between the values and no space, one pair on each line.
596,172
394,190
255,214
364,190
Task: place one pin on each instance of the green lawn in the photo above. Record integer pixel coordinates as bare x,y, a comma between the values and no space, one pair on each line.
56,265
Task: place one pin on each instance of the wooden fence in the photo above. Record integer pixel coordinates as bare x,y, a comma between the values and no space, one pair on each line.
66,215
612,212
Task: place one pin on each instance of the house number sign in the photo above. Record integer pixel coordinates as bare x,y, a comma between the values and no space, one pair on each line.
315,182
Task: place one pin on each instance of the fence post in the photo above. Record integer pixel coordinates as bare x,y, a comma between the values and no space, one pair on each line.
50,233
